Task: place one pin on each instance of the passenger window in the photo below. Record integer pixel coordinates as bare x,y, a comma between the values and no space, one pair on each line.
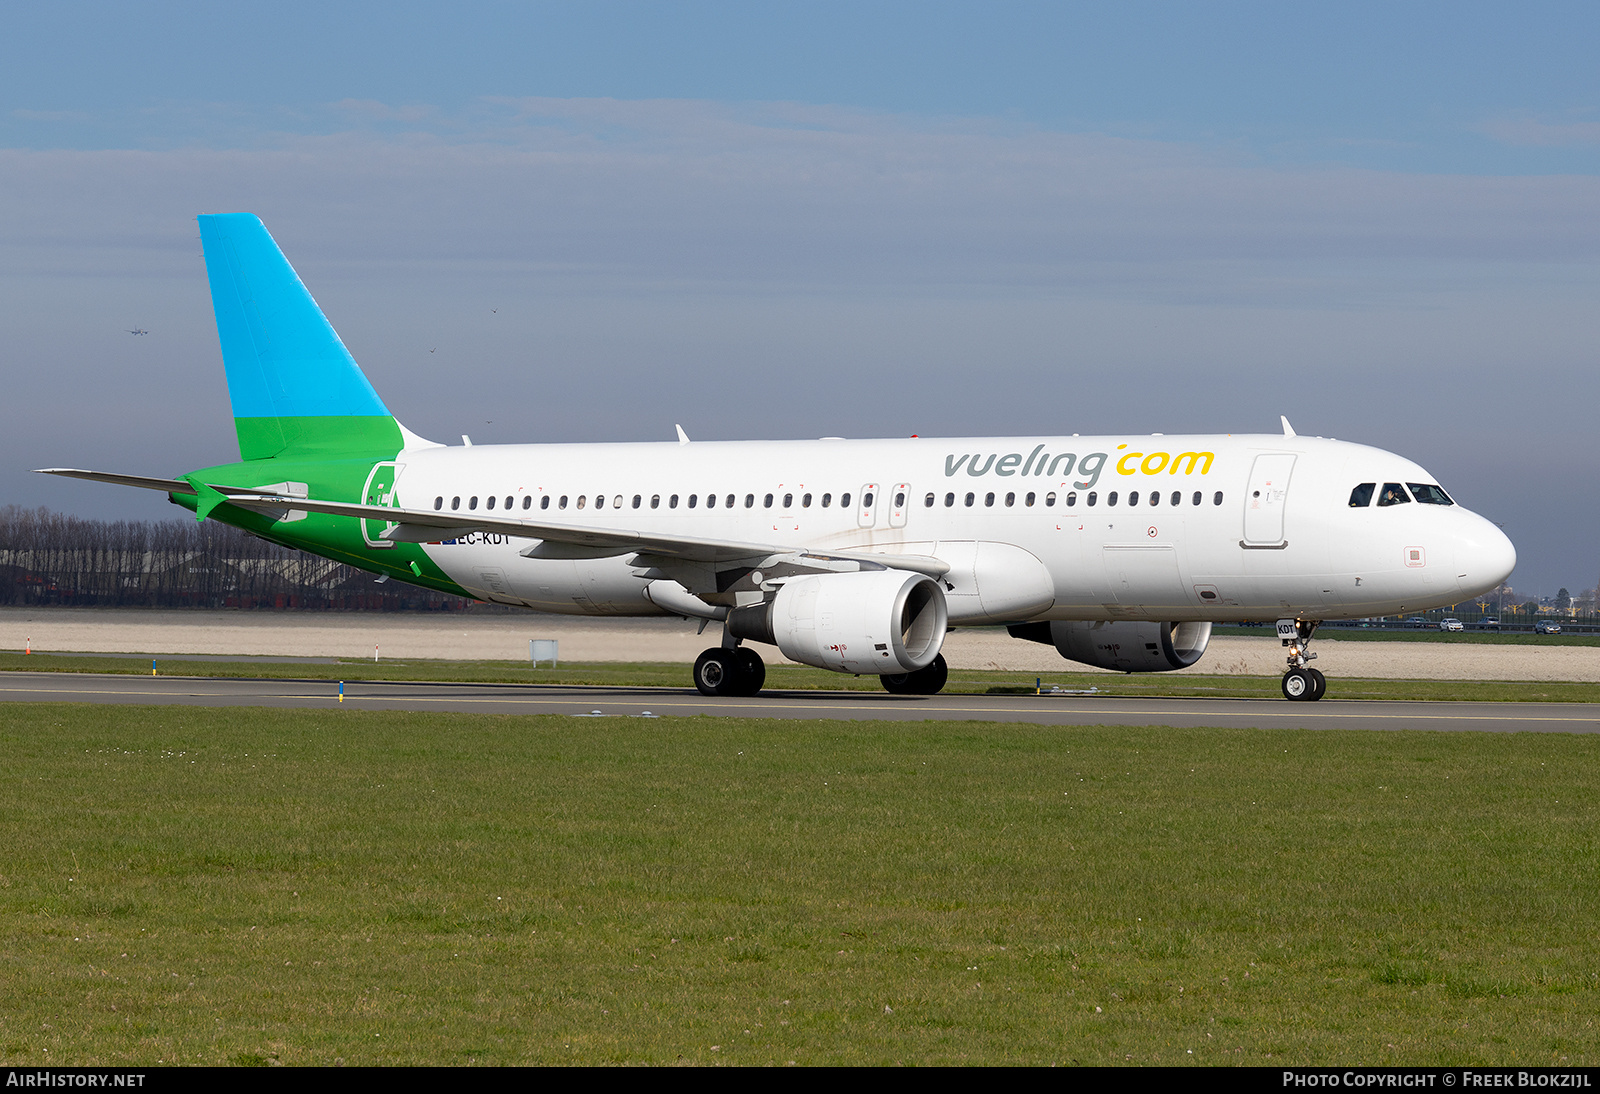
527,501
599,501
692,499
900,500
866,500
988,499
1197,497
927,502
1111,498
581,499
766,502
750,501
805,501
455,503
473,502
489,504
637,499
1092,498
508,501
1217,500
438,503
949,500
1155,497
544,502
1072,499
1361,496
1029,500
1428,494
1011,499
672,502
711,501
616,502
827,499
563,504
655,501
970,498
844,501
1133,497
728,503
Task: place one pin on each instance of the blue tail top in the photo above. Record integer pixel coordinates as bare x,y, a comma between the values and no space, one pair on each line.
283,359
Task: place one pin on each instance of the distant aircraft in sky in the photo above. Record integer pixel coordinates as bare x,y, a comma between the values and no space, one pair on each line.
855,556
138,330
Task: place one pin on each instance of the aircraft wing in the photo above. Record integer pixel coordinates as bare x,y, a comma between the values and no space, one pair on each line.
428,525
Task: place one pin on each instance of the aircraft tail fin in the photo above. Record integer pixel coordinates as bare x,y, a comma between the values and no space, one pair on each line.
295,389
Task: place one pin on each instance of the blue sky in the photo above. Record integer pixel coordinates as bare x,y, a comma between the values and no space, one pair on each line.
861,219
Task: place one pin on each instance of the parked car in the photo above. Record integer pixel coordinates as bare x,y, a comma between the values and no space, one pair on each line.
1416,621
1491,621
1545,626
1451,625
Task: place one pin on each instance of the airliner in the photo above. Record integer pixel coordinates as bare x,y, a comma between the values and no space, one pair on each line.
857,556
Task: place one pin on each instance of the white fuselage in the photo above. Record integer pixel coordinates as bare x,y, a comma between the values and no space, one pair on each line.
1223,527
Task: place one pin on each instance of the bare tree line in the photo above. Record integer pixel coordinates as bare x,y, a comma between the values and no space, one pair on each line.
51,558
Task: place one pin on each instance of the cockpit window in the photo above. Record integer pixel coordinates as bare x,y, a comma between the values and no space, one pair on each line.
1393,494
1361,496
1428,494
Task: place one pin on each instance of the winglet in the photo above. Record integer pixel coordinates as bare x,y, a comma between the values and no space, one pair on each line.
210,497
1288,430
683,438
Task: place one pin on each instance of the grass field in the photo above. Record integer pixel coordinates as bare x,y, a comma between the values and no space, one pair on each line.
252,886
797,677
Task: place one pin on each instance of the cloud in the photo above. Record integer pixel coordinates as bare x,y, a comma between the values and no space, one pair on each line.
1527,132
783,269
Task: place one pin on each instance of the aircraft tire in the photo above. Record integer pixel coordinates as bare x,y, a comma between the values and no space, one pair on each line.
1298,686
1319,683
752,671
925,681
717,671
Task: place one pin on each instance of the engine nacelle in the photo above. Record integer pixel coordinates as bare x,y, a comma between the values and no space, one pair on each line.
875,621
1125,646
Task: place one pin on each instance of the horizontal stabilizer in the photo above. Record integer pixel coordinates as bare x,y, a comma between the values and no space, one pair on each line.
144,482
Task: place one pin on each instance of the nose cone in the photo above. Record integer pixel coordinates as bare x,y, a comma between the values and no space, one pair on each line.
1484,558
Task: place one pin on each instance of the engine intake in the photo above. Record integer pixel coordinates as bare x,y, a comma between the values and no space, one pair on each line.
876,621
1125,646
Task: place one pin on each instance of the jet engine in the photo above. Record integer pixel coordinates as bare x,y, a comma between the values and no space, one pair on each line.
1125,646
875,621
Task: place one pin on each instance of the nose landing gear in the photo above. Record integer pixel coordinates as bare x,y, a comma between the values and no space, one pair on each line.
1301,683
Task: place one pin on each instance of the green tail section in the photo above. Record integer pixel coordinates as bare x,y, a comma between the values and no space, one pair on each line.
309,423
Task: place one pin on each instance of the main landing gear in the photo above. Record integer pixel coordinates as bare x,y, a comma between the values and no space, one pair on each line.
1301,683
724,671
928,680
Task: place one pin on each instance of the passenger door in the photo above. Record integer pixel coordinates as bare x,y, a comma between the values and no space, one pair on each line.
1265,499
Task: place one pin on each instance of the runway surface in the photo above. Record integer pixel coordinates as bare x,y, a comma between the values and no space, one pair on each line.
50,687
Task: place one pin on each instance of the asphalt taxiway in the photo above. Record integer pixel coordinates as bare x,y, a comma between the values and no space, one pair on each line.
1059,709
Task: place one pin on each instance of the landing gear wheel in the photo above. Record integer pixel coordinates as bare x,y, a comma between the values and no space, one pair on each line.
1298,685
717,671
1319,683
929,680
752,671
